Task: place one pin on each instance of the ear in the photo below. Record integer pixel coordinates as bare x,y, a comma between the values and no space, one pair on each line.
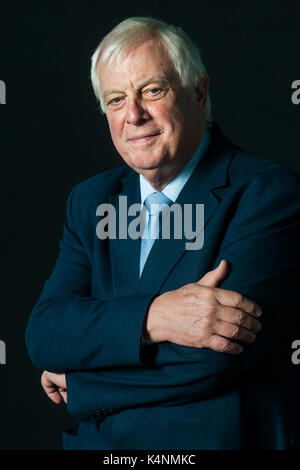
201,91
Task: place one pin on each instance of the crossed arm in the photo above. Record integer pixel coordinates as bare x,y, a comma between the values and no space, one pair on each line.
198,315
185,323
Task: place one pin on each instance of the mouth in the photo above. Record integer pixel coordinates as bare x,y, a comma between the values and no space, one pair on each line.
143,138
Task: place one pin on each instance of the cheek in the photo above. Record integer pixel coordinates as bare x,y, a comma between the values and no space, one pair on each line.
173,119
115,128
174,127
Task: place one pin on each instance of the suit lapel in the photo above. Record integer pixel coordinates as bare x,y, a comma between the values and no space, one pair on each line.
125,253
201,188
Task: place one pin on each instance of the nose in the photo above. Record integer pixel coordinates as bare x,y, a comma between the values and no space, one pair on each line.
136,114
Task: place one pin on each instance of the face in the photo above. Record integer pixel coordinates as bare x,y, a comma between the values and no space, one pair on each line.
155,124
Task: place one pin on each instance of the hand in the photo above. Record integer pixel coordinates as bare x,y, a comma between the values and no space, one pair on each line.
55,386
203,316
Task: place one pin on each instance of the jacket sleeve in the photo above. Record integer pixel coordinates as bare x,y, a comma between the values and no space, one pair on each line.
70,330
261,243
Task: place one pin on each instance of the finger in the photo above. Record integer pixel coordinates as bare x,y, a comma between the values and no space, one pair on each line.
50,388
238,317
64,395
46,380
214,277
224,345
235,332
230,298
54,396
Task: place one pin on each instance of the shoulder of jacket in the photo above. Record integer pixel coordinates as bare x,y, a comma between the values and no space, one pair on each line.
245,168
100,186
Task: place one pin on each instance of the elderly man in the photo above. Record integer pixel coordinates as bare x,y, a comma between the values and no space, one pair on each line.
151,342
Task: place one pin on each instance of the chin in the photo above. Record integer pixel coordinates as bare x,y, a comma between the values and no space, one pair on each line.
149,167
145,163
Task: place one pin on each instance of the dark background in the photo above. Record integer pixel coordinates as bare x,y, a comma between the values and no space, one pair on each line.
52,136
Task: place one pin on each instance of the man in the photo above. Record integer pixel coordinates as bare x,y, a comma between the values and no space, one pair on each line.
157,346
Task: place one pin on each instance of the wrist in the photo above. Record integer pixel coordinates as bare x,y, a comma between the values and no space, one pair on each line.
153,328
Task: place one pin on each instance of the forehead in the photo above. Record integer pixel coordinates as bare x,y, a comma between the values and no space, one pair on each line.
135,65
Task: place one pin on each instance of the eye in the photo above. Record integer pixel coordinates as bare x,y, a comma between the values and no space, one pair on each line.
155,93
115,102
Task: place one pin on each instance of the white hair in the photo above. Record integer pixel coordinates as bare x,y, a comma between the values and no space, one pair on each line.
184,54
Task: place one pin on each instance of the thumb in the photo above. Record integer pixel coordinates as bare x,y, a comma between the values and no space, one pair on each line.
213,278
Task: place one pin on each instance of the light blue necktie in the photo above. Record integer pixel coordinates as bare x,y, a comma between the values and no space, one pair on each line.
155,203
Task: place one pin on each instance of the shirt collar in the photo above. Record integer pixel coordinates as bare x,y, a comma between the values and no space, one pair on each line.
175,186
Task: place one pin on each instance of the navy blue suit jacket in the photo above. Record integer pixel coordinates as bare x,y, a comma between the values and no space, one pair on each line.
88,320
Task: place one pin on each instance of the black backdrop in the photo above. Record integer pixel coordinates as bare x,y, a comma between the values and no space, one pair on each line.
52,136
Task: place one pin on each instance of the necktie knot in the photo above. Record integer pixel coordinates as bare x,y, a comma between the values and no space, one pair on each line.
155,202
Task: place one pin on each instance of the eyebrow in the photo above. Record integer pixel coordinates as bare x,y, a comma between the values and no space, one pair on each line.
155,79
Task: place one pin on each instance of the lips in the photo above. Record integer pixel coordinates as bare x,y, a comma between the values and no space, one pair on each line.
143,138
